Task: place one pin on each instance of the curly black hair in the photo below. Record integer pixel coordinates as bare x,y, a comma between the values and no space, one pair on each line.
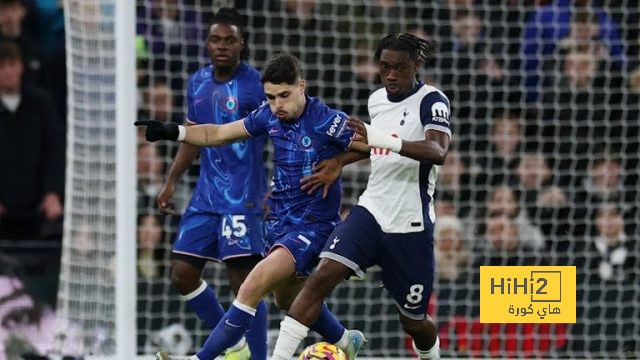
419,49
230,16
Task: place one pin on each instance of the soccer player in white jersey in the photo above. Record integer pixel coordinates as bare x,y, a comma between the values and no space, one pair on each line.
392,225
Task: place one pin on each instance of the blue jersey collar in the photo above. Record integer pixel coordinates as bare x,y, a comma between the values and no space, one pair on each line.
235,74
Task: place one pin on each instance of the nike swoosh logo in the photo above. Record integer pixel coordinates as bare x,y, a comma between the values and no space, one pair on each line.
230,324
406,306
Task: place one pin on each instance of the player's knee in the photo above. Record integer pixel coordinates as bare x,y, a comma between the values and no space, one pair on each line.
282,301
251,291
184,278
412,327
329,274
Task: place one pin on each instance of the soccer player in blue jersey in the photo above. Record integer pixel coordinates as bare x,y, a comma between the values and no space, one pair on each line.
223,221
392,225
304,131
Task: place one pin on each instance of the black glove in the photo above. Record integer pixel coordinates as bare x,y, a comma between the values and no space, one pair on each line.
157,130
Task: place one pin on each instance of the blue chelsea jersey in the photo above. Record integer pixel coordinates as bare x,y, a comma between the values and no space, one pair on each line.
319,133
232,177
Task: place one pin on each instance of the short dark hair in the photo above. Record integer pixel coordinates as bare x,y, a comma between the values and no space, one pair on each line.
419,49
11,2
9,51
230,16
282,68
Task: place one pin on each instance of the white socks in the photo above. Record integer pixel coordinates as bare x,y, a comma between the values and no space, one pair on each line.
431,354
343,343
292,332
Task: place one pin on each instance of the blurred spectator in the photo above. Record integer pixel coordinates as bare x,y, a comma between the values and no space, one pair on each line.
546,204
451,251
606,268
471,75
501,157
150,174
586,104
453,263
453,181
173,37
551,23
361,79
12,15
158,103
502,234
606,183
31,184
150,249
503,202
444,206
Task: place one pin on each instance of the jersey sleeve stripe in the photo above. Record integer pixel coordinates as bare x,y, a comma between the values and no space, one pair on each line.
245,128
443,129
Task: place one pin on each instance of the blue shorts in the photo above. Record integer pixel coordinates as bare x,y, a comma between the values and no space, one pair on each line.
406,260
220,236
303,242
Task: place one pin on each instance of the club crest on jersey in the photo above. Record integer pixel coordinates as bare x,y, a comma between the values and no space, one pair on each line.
305,142
405,112
440,113
230,104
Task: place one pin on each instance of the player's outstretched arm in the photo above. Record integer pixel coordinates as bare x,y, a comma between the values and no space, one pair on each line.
198,135
432,149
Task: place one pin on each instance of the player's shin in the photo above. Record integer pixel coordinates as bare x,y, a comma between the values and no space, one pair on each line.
228,331
204,302
292,332
328,326
257,333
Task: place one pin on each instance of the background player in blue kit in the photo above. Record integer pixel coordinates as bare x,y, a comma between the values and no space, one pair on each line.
304,132
392,225
223,221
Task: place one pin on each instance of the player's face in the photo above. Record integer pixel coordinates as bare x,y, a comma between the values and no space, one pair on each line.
397,71
286,101
224,44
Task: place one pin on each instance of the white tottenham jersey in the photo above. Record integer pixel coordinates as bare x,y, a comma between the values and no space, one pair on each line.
400,190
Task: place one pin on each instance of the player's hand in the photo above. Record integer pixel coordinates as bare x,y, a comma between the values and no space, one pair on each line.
325,173
51,206
356,125
165,197
157,130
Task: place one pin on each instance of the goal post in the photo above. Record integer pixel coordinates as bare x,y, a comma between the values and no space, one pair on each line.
97,293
